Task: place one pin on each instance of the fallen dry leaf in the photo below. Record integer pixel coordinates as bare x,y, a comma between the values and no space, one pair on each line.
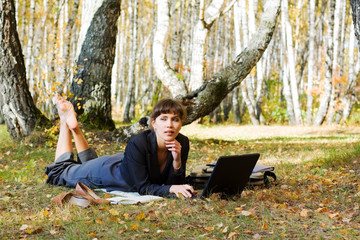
92,234
247,213
232,235
304,213
209,229
24,227
140,216
321,210
333,215
264,226
114,212
134,226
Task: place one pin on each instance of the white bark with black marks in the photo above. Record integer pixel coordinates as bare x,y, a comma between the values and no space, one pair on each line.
17,107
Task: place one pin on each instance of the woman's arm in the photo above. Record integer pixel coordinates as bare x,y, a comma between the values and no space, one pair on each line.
139,164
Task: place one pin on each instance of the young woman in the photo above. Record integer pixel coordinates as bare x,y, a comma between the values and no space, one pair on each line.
153,163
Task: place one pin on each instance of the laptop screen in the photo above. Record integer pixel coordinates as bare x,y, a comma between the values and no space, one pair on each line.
230,175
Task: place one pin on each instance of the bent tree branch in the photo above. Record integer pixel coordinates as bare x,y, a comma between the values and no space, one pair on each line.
204,100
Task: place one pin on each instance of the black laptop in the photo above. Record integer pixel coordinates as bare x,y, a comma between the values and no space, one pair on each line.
230,175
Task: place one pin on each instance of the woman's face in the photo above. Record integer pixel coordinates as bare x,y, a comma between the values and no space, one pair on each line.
167,126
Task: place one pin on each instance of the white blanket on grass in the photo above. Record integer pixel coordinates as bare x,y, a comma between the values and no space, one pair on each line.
130,197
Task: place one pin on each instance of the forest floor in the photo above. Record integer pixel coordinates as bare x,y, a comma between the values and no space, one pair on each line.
317,195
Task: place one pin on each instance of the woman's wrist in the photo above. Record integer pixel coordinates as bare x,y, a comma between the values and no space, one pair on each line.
176,165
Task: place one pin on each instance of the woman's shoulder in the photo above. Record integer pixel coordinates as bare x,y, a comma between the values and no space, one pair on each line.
143,136
140,141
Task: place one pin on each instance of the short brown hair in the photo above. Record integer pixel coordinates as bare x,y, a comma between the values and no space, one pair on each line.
168,105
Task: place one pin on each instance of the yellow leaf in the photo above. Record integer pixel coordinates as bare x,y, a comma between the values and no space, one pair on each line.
321,210
114,219
210,229
323,225
99,221
264,226
332,215
304,213
179,195
225,229
344,230
232,235
140,216
92,234
114,212
45,212
134,226
282,206
88,222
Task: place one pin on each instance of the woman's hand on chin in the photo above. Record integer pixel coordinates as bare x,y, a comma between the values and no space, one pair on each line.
175,148
185,190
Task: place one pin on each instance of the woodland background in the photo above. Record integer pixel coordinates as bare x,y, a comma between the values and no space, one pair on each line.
285,86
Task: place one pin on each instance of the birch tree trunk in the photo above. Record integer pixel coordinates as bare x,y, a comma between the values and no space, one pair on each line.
17,106
65,70
29,63
205,99
355,6
247,89
326,96
336,72
350,92
206,20
310,80
237,21
88,9
342,56
163,71
132,58
92,82
285,72
291,64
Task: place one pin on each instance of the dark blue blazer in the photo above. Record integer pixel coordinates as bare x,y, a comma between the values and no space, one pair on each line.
139,170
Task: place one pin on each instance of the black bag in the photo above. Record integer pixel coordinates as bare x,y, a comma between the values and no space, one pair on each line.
200,174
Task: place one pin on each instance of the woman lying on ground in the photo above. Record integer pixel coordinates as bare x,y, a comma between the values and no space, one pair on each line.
154,161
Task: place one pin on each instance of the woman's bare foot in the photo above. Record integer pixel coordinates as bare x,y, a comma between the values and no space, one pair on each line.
66,112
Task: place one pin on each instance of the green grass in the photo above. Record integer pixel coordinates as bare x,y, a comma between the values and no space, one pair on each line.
317,195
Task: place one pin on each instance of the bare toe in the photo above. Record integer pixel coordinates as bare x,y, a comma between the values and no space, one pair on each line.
57,98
